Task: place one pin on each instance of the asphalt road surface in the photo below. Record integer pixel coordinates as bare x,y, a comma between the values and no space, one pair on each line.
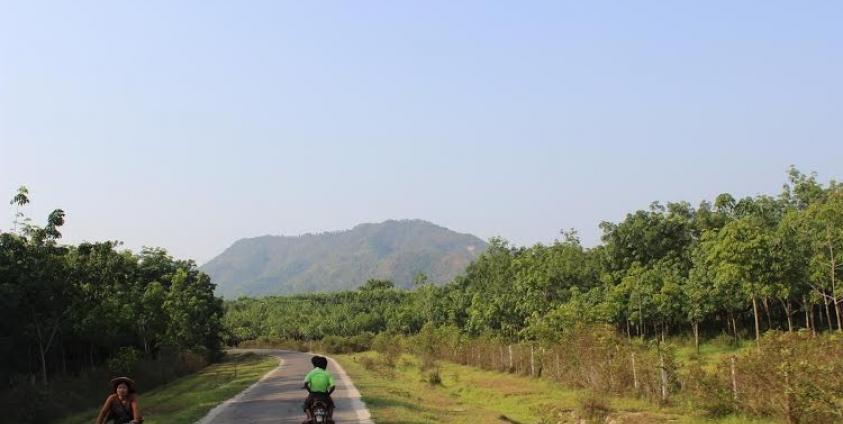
278,396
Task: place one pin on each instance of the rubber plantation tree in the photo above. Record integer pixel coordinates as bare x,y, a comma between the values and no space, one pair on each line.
797,240
790,265
20,200
13,253
700,293
101,276
726,292
671,299
824,223
741,256
802,190
636,291
46,297
151,317
545,275
648,236
489,281
193,312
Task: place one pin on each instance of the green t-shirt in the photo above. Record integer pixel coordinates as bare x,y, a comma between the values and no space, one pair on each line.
319,380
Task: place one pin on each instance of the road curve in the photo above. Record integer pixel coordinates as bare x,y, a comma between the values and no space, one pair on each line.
278,396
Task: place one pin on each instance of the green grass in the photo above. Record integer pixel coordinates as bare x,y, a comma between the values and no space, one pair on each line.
189,398
402,395
710,354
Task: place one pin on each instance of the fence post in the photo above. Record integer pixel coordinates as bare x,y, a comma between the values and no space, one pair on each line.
532,361
734,380
541,362
558,368
510,358
663,375
634,373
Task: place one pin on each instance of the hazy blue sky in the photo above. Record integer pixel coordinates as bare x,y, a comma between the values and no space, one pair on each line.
190,125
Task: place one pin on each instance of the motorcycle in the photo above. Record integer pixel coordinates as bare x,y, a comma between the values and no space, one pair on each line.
319,412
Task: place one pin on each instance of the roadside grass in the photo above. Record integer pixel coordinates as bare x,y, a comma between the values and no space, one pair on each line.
403,394
189,398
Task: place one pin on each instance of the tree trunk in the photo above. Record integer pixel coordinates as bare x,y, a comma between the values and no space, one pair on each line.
828,316
766,304
43,355
697,336
837,310
734,326
789,311
755,314
663,370
641,319
833,280
63,359
808,311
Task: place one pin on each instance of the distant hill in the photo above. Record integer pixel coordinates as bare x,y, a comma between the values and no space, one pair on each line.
343,260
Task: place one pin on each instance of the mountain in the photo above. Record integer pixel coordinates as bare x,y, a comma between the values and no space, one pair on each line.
342,260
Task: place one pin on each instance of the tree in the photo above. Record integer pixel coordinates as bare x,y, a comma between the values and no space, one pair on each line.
20,200
824,224
741,257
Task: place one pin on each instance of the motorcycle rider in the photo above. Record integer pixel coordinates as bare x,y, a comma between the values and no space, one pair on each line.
319,384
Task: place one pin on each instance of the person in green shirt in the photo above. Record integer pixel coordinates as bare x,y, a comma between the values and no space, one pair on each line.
319,384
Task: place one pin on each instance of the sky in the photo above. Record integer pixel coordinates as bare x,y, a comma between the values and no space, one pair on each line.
189,125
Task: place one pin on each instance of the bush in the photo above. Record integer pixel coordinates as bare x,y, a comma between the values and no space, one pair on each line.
793,376
388,346
337,344
124,362
593,407
432,376
368,363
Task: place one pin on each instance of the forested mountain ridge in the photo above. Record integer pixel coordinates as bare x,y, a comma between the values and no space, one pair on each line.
397,250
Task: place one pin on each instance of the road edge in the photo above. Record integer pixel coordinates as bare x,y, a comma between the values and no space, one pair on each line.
363,414
216,410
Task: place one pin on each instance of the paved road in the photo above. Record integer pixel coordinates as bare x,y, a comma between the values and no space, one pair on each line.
278,396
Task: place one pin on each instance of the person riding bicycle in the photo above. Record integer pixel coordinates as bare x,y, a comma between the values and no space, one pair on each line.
121,406
319,384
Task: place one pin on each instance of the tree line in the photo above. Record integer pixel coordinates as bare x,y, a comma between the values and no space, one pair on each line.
68,308
728,266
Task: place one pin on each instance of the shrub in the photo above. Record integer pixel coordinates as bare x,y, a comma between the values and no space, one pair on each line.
125,361
593,407
432,376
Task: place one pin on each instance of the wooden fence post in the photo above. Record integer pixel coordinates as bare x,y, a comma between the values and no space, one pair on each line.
734,380
510,358
634,373
558,368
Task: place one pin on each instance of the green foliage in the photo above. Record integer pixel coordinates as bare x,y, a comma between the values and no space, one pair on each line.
722,270
69,309
124,361
756,263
